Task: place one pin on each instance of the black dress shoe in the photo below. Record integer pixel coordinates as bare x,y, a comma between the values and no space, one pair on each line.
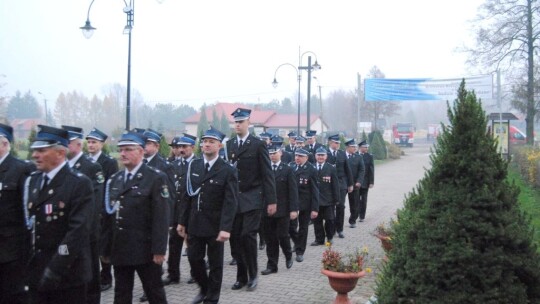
353,226
233,262
168,281
316,243
299,258
361,220
238,285
143,298
288,263
340,234
268,271
198,299
191,280
105,287
252,284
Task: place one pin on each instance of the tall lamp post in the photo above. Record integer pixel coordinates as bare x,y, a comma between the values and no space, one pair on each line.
299,77
88,31
45,104
321,103
309,68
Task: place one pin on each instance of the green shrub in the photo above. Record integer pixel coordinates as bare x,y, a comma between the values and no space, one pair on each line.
461,236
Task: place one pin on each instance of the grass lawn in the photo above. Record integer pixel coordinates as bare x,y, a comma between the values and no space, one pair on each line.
529,200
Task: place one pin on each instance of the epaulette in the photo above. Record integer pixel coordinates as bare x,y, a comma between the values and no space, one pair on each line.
79,174
35,172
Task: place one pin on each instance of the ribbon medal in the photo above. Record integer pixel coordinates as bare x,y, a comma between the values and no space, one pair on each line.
48,209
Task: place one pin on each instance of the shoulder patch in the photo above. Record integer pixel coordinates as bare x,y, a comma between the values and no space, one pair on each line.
164,191
100,178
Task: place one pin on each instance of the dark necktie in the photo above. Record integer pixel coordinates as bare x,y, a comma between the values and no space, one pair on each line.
350,155
145,160
207,167
320,167
274,167
334,153
128,178
240,144
45,181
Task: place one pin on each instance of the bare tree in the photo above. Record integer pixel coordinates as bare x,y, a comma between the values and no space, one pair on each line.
506,34
373,110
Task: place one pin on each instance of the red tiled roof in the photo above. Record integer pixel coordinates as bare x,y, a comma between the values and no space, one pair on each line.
257,117
26,124
289,120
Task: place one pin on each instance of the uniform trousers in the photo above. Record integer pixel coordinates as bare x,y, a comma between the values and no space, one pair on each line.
150,274
340,210
277,235
76,294
298,231
326,214
354,205
210,283
363,202
176,242
106,232
93,288
12,282
244,244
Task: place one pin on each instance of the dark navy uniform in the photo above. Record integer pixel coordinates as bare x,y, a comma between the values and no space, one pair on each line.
14,235
256,190
369,179
308,198
328,199
277,226
358,169
340,162
61,258
210,206
140,231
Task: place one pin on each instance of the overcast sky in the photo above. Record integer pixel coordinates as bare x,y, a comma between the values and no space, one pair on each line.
190,52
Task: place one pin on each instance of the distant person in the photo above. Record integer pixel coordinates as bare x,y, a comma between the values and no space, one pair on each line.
14,235
138,196
95,142
292,142
324,224
207,217
277,226
369,178
356,162
257,196
337,158
308,200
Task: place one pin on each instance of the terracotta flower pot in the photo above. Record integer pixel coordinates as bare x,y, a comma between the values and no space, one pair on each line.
342,283
385,242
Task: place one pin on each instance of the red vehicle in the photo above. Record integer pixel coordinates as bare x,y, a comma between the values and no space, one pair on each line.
403,134
517,137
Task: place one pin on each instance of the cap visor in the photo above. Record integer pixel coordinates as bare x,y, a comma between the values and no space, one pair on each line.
42,144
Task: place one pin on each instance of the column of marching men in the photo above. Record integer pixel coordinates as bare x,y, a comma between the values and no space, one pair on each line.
71,222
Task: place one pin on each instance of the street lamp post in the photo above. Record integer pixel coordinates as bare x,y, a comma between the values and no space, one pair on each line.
321,103
45,104
88,31
309,68
299,77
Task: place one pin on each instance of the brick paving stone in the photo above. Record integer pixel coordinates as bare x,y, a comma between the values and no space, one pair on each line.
304,283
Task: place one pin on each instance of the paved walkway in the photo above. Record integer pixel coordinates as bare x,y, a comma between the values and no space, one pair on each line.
304,283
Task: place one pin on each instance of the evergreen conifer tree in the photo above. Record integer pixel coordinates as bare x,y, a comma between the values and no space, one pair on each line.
164,148
377,145
31,137
460,237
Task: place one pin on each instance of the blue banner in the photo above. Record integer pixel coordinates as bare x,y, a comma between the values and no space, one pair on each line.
382,89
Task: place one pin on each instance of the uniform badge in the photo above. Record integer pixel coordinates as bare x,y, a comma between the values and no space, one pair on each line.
55,217
30,205
51,191
61,213
48,218
61,205
48,208
211,181
99,177
164,191
139,175
63,250
34,191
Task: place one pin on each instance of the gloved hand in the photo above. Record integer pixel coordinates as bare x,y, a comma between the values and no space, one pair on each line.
49,280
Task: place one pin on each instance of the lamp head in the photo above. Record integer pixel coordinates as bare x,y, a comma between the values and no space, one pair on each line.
316,65
87,29
275,83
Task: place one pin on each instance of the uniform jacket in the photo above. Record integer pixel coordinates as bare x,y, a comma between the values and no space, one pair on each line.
95,173
180,187
369,177
256,184
286,190
13,232
308,188
158,162
62,210
312,150
109,166
328,185
140,228
358,170
343,169
289,148
286,157
213,209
